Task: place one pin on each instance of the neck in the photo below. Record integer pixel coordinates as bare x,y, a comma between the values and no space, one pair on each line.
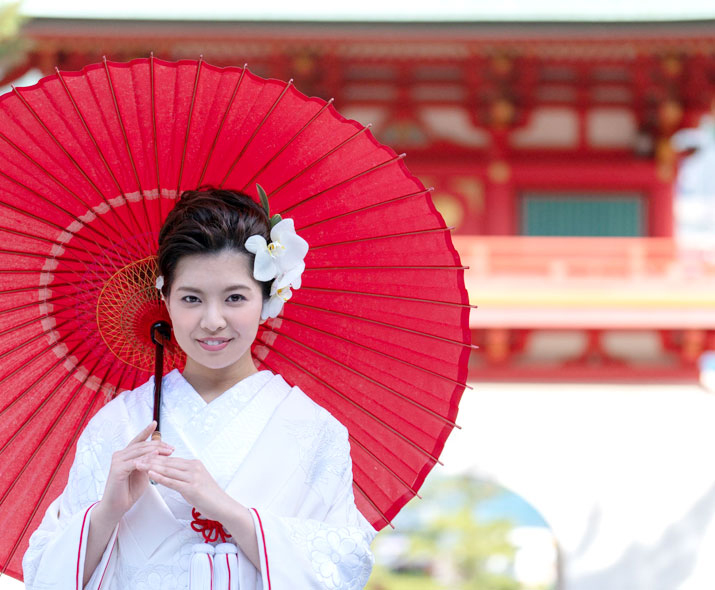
211,383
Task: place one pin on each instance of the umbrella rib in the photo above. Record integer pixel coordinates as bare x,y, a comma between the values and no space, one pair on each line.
24,234
154,132
46,222
30,341
275,156
391,268
89,133
361,209
384,296
34,384
188,123
53,475
320,159
384,466
57,142
384,324
355,404
402,396
276,102
117,184
378,352
418,232
59,183
126,142
374,506
347,180
226,111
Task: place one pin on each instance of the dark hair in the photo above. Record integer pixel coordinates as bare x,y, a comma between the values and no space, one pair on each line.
206,221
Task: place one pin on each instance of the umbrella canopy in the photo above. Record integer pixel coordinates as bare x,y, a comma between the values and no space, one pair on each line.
91,162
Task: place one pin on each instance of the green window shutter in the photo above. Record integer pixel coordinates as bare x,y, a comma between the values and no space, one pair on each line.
582,214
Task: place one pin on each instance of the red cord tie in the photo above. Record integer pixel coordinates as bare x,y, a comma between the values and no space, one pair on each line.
211,530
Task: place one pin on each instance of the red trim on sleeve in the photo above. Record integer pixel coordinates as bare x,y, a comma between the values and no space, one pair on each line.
79,551
265,550
211,569
107,566
228,567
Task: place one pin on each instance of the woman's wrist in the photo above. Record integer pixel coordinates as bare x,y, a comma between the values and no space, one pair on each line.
103,516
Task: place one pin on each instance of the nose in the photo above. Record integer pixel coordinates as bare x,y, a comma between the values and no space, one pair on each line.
212,320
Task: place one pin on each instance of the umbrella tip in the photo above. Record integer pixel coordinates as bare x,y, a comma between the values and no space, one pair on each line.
331,101
402,155
430,189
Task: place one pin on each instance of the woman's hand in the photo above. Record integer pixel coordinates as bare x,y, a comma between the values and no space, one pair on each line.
126,483
192,480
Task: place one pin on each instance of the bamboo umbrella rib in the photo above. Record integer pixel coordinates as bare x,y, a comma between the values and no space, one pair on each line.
419,232
354,404
126,143
369,379
372,350
107,167
361,209
53,475
188,123
152,86
30,341
320,159
374,506
226,111
382,464
45,401
256,130
59,183
275,156
386,296
354,482
65,152
384,324
51,203
390,268
346,181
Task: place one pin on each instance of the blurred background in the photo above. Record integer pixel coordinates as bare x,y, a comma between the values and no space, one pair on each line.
572,148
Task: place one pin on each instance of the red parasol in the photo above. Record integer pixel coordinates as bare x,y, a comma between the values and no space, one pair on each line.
90,164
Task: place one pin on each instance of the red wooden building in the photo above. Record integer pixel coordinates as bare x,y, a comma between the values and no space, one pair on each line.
548,145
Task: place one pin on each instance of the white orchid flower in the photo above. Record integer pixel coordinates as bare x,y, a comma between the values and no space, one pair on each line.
274,305
285,252
159,282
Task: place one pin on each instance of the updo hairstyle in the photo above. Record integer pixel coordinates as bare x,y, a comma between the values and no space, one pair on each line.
208,221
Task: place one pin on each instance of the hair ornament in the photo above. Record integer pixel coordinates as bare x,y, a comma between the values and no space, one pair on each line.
160,282
281,260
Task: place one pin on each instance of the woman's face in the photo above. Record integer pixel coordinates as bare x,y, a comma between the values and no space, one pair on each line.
215,308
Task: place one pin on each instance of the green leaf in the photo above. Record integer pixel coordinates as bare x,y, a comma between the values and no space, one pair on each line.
264,199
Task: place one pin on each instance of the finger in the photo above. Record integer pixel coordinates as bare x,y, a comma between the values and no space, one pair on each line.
144,434
165,481
146,448
151,464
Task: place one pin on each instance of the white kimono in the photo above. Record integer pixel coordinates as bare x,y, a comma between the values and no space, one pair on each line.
267,444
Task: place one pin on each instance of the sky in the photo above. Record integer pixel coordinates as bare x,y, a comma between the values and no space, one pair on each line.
446,10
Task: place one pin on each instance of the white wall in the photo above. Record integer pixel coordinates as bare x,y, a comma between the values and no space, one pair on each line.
624,475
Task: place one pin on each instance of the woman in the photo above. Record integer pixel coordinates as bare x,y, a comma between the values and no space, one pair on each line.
239,446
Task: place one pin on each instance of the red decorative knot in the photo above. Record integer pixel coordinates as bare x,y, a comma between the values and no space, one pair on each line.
211,530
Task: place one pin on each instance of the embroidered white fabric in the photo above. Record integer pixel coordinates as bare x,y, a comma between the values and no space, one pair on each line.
267,444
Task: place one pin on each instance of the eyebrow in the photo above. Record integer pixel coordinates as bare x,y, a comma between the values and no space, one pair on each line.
197,290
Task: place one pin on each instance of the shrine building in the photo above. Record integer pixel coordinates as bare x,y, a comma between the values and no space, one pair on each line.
549,149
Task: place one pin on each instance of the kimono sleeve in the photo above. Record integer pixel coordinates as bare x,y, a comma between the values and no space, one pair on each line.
330,553
54,559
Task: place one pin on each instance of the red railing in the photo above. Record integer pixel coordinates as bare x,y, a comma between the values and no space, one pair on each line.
579,257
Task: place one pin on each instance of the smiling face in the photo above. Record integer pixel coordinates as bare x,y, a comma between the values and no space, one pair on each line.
215,308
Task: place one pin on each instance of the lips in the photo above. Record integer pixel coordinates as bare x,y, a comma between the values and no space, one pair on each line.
214,344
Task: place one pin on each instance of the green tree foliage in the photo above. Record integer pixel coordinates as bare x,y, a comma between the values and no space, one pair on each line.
449,546
12,45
